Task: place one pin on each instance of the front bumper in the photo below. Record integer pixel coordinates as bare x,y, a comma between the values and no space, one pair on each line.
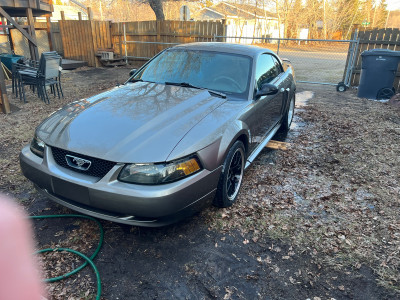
107,198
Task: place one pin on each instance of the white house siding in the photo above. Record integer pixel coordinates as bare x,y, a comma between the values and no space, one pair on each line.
245,28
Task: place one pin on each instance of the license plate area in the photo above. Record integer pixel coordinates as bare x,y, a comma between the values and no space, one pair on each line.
71,191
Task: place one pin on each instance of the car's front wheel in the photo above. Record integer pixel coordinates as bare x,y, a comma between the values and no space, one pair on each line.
231,176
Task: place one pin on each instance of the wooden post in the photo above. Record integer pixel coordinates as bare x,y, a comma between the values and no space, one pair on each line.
89,13
62,15
119,39
224,28
79,16
5,105
8,32
33,48
49,32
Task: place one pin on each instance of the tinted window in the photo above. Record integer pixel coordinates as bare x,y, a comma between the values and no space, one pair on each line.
267,69
277,64
228,73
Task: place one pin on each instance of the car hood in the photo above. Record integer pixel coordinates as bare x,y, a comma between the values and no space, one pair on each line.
137,122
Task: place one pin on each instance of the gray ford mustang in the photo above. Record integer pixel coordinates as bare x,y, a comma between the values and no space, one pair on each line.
176,136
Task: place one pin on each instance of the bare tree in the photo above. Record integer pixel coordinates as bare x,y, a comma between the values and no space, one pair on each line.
157,7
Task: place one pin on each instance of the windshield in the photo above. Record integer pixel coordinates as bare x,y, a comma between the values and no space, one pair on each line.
223,72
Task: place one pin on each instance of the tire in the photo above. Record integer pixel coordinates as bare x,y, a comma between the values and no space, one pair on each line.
385,93
341,87
231,177
288,116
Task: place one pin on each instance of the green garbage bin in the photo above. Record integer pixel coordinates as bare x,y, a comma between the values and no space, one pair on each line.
378,71
9,59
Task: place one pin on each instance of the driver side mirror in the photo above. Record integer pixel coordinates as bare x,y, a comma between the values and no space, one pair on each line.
131,72
266,89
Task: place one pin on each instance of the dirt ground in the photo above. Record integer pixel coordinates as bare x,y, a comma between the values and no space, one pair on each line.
318,221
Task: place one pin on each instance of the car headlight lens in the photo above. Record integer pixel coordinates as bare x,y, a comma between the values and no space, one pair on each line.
37,146
159,173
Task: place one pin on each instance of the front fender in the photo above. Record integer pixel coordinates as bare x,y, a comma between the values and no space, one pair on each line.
213,136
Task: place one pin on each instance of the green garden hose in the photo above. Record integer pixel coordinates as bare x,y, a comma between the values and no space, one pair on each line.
88,260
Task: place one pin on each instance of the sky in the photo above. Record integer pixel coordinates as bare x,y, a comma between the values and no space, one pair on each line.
393,4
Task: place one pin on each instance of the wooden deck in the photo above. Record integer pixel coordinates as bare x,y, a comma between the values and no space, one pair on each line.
69,64
17,8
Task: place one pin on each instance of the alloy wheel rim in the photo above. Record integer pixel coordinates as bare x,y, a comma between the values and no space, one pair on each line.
290,112
235,174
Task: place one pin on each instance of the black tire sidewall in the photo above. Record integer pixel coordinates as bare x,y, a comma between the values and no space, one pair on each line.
221,198
285,126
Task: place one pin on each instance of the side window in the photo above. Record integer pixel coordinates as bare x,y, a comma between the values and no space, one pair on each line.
278,66
267,69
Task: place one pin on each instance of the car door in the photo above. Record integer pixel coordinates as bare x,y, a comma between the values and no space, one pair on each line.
266,110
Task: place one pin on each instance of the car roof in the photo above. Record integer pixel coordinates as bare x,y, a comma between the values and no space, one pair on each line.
225,47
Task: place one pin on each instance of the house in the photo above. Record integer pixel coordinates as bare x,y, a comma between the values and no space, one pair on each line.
70,12
243,20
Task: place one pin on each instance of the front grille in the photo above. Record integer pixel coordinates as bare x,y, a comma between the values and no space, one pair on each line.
98,168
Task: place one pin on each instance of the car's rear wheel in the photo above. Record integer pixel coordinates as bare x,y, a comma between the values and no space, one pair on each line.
288,116
231,176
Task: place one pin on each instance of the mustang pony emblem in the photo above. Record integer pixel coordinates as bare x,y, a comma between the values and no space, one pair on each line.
78,163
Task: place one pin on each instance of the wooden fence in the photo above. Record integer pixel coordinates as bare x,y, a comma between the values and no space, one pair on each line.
161,32
372,39
56,39
82,39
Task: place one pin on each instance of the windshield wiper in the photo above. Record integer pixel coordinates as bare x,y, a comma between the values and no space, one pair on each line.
189,85
140,80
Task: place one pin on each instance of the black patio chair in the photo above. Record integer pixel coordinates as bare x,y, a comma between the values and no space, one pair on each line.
48,73
21,65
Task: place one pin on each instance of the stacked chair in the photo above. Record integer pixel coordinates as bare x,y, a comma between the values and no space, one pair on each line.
39,75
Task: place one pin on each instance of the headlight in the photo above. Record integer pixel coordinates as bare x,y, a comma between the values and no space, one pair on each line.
159,173
37,146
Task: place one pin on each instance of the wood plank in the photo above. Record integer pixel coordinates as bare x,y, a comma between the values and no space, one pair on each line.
394,39
5,105
93,43
277,145
87,42
82,41
363,35
64,37
75,39
91,51
70,38
386,38
31,23
374,35
74,44
48,29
